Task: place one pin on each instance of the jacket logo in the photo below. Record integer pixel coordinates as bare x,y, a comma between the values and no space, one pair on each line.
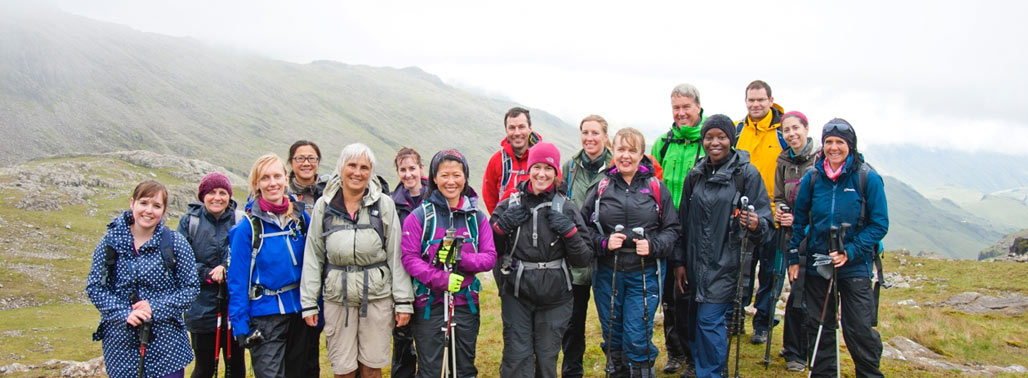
550,160
849,190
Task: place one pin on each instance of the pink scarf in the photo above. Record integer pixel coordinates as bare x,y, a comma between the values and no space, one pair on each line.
834,175
269,207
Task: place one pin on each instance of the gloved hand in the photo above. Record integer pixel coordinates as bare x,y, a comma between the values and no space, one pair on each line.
444,254
455,281
513,217
560,223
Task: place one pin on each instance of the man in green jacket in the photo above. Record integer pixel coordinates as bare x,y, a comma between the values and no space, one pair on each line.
677,151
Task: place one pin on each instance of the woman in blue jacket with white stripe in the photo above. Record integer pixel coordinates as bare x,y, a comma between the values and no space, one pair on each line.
841,189
264,274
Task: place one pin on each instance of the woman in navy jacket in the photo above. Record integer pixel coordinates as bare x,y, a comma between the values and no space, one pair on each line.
264,282
841,189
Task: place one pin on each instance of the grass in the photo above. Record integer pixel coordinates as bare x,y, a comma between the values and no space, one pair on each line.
60,325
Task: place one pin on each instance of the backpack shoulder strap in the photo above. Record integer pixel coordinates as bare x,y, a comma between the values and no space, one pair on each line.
256,229
667,142
111,262
655,192
376,220
167,248
507,165
862,173
781,139
600,188
739,126
194,224
428,225
471,222
557,204
238,217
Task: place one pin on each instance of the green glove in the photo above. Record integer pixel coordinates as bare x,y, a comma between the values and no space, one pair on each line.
455,281
443,254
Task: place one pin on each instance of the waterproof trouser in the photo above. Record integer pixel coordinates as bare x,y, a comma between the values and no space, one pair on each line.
862,340
429,340
794,335
764,255
677,320
284,352
710,344
405,361
531,337
632,329
310,353
203,349
573,343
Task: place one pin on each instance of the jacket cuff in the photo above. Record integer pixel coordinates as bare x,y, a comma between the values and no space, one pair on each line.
574,230
309,311
497,230
403,307
794,257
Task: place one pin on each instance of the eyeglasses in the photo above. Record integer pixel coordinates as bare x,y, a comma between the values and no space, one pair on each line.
841,127
309,159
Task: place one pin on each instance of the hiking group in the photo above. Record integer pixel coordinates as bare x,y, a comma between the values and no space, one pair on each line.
391,276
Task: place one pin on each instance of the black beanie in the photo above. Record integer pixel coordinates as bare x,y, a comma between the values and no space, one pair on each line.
447,155
838,127
719,121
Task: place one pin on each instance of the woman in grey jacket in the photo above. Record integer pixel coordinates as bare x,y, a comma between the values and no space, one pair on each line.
712,235
352,257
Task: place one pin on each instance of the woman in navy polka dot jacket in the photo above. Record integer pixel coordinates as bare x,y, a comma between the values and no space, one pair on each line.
142,272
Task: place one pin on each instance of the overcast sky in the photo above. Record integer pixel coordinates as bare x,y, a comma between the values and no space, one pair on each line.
940,73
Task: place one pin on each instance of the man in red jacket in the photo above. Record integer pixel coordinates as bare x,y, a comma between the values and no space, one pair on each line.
509,165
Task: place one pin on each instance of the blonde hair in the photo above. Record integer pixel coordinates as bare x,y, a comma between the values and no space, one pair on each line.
257,171
603,125
633,138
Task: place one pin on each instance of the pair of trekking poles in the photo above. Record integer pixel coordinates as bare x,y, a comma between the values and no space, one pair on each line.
822,262
453,244
641,233
745,256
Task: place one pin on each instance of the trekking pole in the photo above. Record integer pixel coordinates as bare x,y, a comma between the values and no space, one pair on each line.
217,332
610,313
776,285
641,232
840,245
453,244
832,246
737,308
145,336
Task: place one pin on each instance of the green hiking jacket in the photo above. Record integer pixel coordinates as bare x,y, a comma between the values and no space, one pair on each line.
680,157
575,182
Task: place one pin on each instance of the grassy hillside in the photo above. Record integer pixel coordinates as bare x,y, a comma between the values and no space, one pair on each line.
46,315
71,85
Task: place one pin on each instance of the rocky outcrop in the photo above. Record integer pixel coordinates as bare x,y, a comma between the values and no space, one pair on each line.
91,368
977,304
904,349
191,170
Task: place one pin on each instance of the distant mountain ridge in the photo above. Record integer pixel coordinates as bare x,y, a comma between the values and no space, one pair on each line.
72,85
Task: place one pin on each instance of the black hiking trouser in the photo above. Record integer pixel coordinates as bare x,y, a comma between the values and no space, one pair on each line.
794,335
573,342
858,310
429,340
285,350
678,320
531,337
206,365
405,361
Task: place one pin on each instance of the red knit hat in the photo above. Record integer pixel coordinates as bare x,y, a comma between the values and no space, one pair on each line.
213,181
545,153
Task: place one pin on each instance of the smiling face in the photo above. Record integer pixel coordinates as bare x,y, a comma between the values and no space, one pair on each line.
541,176
685,110
594,138
305,164
355,174
627,154
518,132
716,144
836,150
410,174
758,103
795,133
271,182
216,201
147,211
449,180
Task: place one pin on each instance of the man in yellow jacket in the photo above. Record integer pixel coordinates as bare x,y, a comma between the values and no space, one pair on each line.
760,135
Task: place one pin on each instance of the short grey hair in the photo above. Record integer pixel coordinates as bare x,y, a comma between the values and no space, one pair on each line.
355,151
686,90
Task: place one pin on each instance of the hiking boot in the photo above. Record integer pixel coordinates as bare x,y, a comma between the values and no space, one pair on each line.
673,364
794,366
688,372
759,337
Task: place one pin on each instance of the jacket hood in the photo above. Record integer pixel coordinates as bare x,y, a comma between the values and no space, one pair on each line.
533,138
853,162
118,230
739,159
198,209
401,195
469,202
371,194
776,119
810,151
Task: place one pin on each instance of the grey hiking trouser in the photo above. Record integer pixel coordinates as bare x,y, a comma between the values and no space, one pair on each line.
531,337
429,340
283,352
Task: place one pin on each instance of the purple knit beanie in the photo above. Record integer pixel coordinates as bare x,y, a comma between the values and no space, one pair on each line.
213,181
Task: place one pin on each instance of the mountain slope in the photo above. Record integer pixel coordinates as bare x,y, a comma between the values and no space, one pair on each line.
71,85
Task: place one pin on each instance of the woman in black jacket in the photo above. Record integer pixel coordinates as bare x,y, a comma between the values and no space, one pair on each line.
714,223
637,228
205,227
539,236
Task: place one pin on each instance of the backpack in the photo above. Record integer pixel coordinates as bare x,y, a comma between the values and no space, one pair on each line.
602,187
427,232
375,222
194,222
669,138
879,252
508,168
257,237
167,257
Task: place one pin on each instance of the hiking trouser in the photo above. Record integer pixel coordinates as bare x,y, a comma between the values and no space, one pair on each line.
862,340
794,335
573,342
284,350
429,340
531,337
710,344
203,349
764,255
632,329
676,320
405,361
